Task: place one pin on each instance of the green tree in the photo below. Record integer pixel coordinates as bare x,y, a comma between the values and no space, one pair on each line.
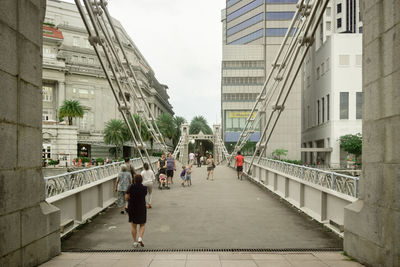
199,123
70,109
352,143
278,153
116,133
166,125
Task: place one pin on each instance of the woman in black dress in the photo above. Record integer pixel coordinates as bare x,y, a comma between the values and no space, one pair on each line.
137,208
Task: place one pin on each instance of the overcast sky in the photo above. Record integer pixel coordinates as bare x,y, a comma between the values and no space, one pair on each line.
181,40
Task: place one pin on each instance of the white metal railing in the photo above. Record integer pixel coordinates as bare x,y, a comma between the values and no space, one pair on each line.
61,183
341,183
322,195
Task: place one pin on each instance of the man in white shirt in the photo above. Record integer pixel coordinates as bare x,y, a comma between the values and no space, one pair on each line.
191,158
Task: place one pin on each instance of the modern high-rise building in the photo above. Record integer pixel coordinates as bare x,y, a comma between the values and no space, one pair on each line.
71,70
332,85
253,31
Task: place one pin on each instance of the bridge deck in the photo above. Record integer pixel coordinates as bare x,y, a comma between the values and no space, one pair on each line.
224,213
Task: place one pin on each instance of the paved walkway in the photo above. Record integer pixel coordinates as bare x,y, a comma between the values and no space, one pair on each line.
224,213
318,259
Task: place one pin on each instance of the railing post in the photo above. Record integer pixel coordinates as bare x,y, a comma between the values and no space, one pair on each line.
356,188
333,181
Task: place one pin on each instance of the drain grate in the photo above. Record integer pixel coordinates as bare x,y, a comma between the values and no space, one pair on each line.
206,250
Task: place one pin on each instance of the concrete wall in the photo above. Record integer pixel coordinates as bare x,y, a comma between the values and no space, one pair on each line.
372,224
29,227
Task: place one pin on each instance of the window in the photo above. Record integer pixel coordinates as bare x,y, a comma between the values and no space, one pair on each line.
344,60
328,26
277,32
358,60
359,102
279,15
83,93
245,24
48,52
75,41
47,93
86,121
252,5
46,151
344,105
249,38
47,115
282,1
91,61
75,59
339,8
232,2
339,23
323,110
318,112
328,11
327,108
254,64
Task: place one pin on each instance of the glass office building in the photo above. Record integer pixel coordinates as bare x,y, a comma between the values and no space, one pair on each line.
252,33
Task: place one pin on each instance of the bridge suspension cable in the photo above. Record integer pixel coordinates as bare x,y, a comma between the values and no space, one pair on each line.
120,73
271,100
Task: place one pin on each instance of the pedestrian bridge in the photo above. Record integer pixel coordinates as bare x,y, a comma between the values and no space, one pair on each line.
279,206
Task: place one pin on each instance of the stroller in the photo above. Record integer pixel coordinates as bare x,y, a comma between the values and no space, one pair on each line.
162,180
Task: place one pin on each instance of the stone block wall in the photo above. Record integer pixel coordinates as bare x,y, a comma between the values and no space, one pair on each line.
29,227
372,224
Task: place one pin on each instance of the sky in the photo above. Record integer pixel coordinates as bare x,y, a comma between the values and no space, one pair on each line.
182,42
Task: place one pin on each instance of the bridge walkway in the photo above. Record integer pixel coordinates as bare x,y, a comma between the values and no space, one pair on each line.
224,213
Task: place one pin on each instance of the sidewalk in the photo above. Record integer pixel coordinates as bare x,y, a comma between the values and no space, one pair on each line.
307,259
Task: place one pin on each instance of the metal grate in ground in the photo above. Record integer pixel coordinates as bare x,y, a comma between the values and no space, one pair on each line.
206,250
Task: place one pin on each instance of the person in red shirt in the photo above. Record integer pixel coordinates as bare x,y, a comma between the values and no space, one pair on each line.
239,165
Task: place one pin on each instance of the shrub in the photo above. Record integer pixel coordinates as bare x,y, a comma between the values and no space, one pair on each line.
54,162
99,160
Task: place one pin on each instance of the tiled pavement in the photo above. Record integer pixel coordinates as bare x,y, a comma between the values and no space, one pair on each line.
139,259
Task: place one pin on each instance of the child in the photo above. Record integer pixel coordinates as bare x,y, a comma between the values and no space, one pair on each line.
163,181
183,175
188,175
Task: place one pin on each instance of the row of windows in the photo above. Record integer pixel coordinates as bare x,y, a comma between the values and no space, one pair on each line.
245,24
255,64
234,97
250,6
47,93
321,103
236,120
242,80
232,2
84,60
258,18
83,93
344,105
269,32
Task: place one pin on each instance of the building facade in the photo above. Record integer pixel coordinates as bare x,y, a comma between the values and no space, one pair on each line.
71,70
252,34
332,86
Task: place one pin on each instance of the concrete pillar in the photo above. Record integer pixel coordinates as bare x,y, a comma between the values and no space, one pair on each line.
61,93
372,224
29,227
185,151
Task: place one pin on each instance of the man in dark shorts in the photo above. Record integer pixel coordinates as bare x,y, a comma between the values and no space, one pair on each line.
239,165
130,166
171,167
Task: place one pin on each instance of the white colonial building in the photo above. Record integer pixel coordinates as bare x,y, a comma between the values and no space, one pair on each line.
71,70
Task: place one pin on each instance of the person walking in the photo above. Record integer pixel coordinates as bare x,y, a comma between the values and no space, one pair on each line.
148,181
198,156
189,175
239,165
137,209
124,179
210,167
191,158
162,164
183,175
130,166
171,167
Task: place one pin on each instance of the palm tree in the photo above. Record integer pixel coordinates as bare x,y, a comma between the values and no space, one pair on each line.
70,109
199,123
116,133
166,124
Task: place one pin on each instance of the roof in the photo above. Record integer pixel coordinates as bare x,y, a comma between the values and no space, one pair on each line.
52,32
